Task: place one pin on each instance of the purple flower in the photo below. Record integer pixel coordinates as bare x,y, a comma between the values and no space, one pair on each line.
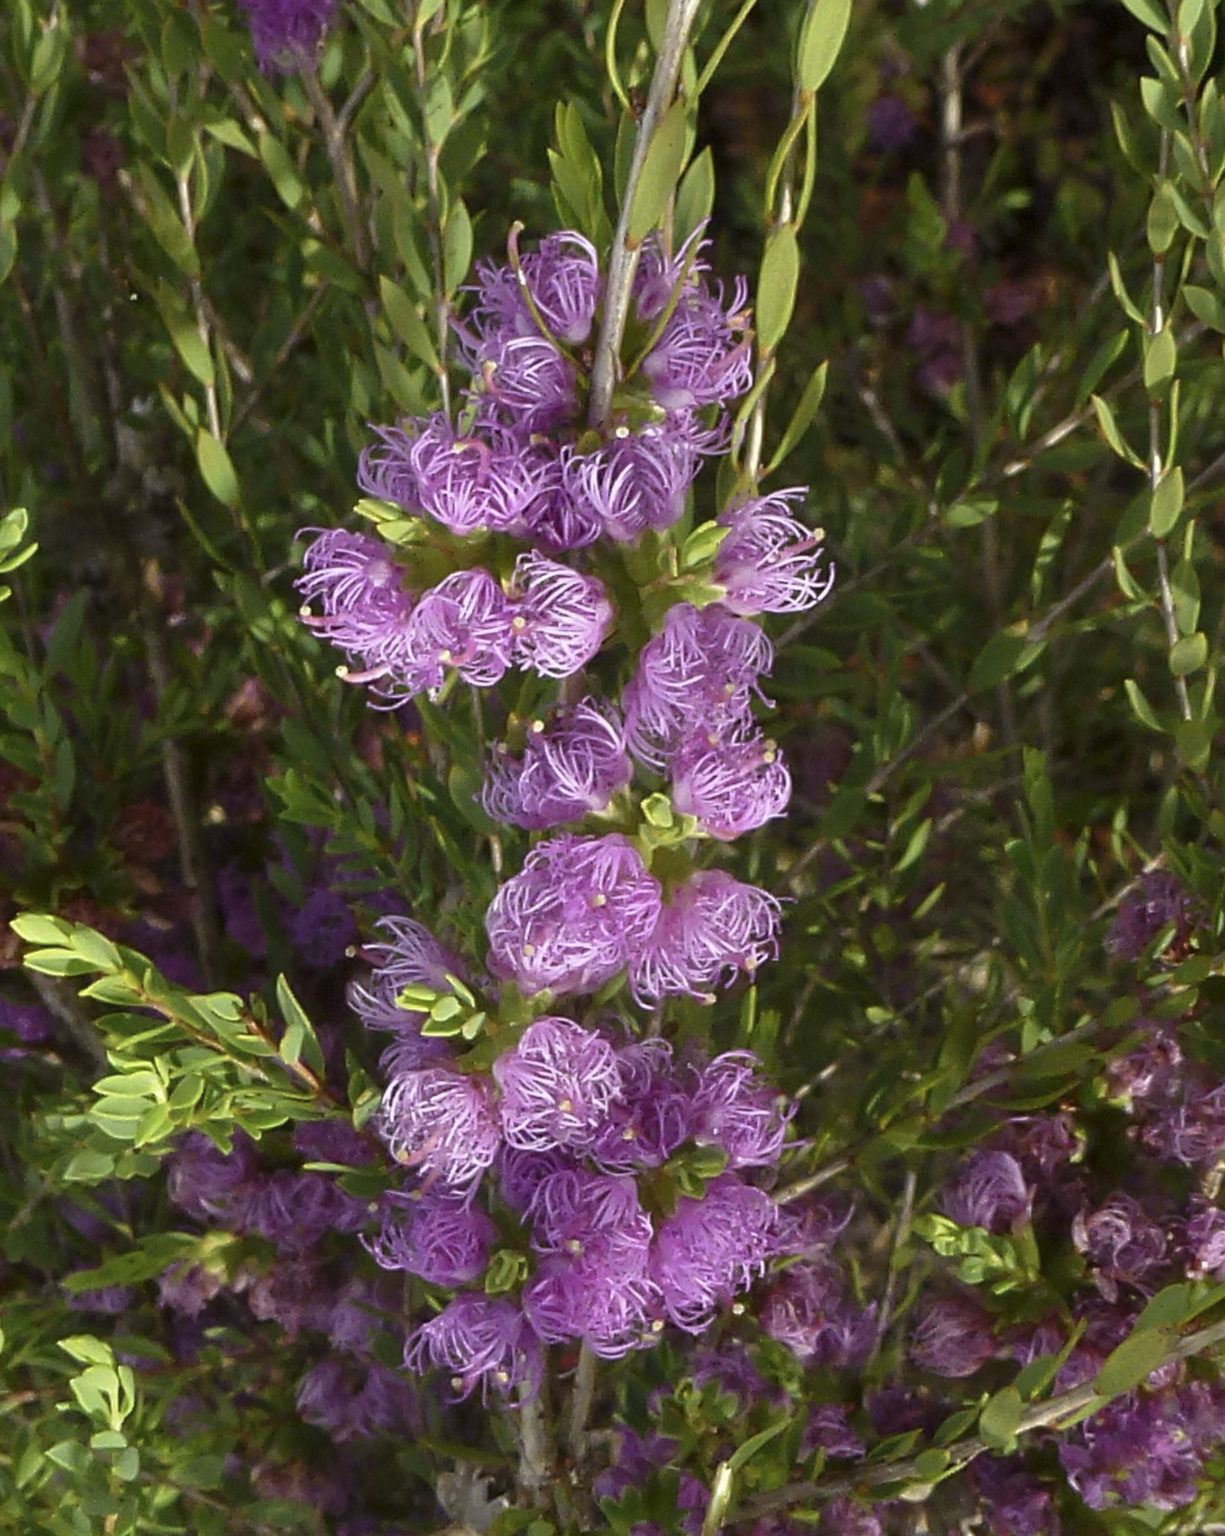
654,1115
731,787
702,355
557,1086
735,1110
828,1430
295,1292
331,1141
107,1299
361,1309
1191,1129
1145,1449
441,1122
809,1311
603,1295
322,929
463,624
520,1174
30,1022
561,617
769,562
844,1517
564,279
891,123
359,586
1149,1073
637,1458
1159,901
1015,1502
1203,1240
989,1190
572,765
479,1341
411,957
287,33
637,481
952,1337
443,1239
695,678
353,1402
210,1184
711,929
574,1208
1122,1242
711,1248
187,1288
296,1210
573,916
468,484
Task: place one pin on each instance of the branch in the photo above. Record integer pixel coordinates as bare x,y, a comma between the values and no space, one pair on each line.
1064,1406
623,257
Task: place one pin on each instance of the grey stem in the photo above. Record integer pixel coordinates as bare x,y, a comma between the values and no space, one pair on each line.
623,258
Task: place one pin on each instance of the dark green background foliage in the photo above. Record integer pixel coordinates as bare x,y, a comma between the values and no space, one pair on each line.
1011,259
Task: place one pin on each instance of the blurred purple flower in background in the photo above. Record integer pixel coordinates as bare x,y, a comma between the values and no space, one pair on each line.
287,33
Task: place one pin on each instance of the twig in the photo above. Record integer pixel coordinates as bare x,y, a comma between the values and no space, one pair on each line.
582,1396
901,1232
61,1001
1155,467
1066,1405
442,309
623,257
342,168
197,300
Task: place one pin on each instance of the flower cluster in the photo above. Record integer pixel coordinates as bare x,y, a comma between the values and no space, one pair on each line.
632,1174
636,1180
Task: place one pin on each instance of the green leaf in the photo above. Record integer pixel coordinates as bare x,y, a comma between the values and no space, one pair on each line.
1160,359
660,169
1098,365
1166,505
1161,102
1141,707
1167,1308
1110,431
38,928
1150,13
1188,654
281,170
217,468
750,1447
1136,1358
776,286
1001,1415
1004,655
1194,741
456,247
695,197
1161,224
408,325
1120,290
821,41
805,415
1205,305
299,1039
